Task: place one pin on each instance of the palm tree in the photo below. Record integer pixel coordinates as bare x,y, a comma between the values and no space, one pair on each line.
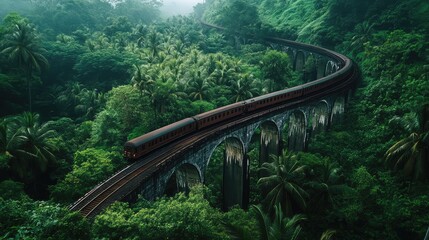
363,34
27,143
244,88
327,184
35,148
154,43
411,154
162,95
9,140
21,45
140,33
222,74
198,87
141,79
277,227
69,97
283,183
90,101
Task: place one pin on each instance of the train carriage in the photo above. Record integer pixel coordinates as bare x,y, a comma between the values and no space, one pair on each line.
144,144
220,114
274,98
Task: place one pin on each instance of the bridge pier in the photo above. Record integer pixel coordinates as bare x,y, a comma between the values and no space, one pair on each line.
299,124
233,174
182,180
297,131
319,117
299,61
180,172
321,67
337,115
269,142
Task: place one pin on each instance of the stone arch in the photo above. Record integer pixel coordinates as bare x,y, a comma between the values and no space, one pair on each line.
338,110
331,67
310,68
321,68
319,117
291,55
182,179
234,171
299,61
220,142
297,134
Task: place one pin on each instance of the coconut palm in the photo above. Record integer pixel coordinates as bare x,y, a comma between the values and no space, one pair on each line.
162,94
141,79
69,97
154,43
327,184
277,227
244,88
363,34
21,46
9,140
35,147
90,101
282,183
139,33
411,154
27,143
198,87
280,227
222,74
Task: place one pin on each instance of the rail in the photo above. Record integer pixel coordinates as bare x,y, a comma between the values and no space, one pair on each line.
128,179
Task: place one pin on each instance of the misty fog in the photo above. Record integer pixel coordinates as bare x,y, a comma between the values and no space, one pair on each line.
178,7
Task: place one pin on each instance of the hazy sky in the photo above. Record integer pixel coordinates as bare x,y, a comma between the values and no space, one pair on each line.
175,7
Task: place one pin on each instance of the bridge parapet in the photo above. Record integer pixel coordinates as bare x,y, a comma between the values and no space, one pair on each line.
150,178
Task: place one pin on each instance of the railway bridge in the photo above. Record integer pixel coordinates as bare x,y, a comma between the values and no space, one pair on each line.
183,163
298,122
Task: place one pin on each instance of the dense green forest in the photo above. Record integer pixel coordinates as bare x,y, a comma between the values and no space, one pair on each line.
80,77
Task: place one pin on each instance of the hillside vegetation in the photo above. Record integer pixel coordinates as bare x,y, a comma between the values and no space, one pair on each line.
80,77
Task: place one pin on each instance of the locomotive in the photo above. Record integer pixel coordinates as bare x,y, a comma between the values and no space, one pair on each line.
140,146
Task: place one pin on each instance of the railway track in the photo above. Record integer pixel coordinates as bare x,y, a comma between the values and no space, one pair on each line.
125,181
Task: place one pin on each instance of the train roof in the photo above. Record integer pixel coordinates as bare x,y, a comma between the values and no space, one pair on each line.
138,141
273,94
218,110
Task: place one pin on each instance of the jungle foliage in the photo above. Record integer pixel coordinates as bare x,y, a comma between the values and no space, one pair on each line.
79,77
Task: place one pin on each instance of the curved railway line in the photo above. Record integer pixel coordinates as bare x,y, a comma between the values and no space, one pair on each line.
126,180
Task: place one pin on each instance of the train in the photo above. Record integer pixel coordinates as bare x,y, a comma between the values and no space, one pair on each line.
145,144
